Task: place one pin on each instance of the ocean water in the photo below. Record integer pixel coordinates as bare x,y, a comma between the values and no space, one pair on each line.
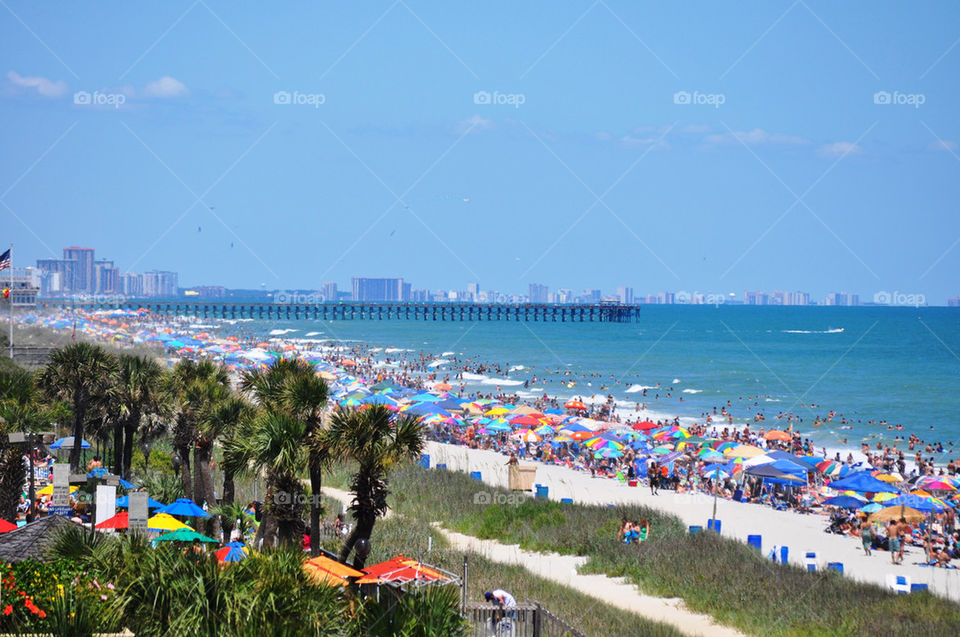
901,365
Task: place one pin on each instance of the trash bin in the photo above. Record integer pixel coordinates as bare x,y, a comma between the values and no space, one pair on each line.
543,491
756,541
917,587
695,529
835,566
713,525
566,500
441,465
475,475
521,477
784,554
425,460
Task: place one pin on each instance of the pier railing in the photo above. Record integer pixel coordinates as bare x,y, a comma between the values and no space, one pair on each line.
471,312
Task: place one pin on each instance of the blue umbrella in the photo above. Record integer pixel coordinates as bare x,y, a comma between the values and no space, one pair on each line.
844,502
127,485
185,507
378,399
124,501
98,472
67,443
873,507
914,502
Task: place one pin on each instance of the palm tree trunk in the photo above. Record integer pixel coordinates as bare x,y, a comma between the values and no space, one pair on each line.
184,452
203,485
362,530
118,447
79,414
228,486
11,480
130,431
316,484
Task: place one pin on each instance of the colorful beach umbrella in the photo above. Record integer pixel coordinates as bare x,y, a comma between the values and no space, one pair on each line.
184,535
163,522
185,507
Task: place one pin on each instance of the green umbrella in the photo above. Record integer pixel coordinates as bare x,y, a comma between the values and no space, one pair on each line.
184,535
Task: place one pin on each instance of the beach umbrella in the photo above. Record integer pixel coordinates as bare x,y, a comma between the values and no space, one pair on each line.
915,502
776,434
829,467
555,412
524,421
844,502
888,478
232,552
163,522
646,424
400,570
575,404
936,483
883,497
873,507
67,443
895,513
545,430
184,535
498,426
497,411
330,572
6,527
581,435
185,507
743,451
124,501
608,452
48,490
443,386
377,399
119,521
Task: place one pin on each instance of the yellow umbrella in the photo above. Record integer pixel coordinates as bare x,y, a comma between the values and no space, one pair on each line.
48,490
886,477
883,497
165,522
498,411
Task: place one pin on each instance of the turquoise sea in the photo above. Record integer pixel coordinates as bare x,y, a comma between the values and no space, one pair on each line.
896,364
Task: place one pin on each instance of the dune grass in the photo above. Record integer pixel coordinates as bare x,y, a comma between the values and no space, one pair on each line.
717,576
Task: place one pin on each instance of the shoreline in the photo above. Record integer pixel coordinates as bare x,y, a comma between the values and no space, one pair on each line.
800,533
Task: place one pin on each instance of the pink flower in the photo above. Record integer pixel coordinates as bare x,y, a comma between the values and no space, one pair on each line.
103,598
111,586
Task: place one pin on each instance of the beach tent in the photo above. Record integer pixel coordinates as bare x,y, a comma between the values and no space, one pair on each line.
67,443
330,572
862,482
769,471
401,570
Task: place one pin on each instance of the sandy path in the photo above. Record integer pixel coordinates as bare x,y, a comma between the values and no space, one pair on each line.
564,570
800,533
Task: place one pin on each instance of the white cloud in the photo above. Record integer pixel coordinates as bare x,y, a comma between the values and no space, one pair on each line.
603,136
166,87
633,142
475,124
755,137
43,86
943,144
838,149
695,128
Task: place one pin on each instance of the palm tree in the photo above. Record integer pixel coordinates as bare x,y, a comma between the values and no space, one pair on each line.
19,412
292,387
226,412
140,394
197,386
273,444
80,374
376,441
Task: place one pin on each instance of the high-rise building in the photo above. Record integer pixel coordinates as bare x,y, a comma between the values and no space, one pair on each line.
538,293
83,278
625,294
591,296
842,298
369,289
131,284
666,298
63,269
329,292
756,298
473,292
106,277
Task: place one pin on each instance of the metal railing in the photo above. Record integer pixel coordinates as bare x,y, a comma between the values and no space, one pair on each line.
528,619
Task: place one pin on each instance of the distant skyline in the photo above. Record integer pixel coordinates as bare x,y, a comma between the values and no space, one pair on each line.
803,146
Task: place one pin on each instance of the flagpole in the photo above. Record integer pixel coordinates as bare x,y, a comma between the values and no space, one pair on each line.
11,302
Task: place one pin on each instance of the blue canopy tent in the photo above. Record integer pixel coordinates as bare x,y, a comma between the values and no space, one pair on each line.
862,482
67,443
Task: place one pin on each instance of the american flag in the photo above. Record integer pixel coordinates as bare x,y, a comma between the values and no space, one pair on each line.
5,260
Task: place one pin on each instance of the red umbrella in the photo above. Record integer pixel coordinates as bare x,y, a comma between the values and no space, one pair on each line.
6,526
119,521
525,421
646,424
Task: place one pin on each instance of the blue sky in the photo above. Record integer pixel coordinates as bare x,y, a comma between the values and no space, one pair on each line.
782,172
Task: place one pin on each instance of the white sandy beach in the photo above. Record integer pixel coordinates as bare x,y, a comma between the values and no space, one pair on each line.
801,533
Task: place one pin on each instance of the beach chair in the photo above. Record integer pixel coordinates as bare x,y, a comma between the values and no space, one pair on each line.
810,560
898,583
644,534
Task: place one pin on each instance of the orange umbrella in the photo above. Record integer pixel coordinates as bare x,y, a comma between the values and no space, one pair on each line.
576,404
443,386
348,362
776,434
583,435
